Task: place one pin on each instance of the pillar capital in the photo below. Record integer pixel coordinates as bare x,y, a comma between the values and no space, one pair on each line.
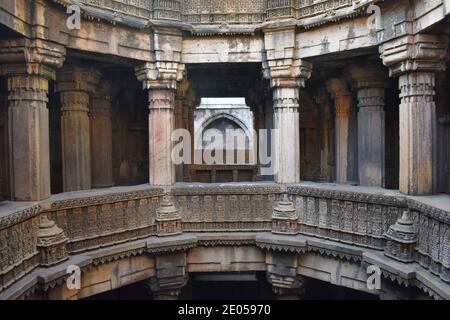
338,89
281,66
287,73
30,57
160,74
415,53
76,78
367,76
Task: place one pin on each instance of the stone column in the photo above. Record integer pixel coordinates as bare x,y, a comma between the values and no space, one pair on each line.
75,85
101,137
370,83
343,102
28,67
322,99
29,137
415,59
287,135
287,74
161,117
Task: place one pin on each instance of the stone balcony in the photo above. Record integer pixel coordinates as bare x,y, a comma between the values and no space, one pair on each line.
345,222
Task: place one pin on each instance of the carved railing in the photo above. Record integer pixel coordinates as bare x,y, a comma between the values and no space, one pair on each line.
220,11
89,222
105,218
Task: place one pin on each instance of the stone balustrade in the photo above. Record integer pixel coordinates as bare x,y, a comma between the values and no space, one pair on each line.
217,11
357,216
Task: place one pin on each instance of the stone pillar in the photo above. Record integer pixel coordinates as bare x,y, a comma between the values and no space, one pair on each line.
370,83
29,136
101,137
287,135
75,86
28,66
287,74
161,125
322,100
415,59
161,117
343,102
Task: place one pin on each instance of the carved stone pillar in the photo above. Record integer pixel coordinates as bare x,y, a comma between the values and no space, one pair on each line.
171,276
29,137
370,84
101,137
29,67
286,75
343,103
75,85
322,99
161,78
415,59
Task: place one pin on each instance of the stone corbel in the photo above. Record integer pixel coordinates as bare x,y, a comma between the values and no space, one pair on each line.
282,275
422,52
170,278
30,57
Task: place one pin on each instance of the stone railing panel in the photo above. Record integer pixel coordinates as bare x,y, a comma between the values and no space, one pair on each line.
226,207
346,217
94,222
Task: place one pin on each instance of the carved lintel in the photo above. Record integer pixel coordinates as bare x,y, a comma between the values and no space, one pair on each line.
421,53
